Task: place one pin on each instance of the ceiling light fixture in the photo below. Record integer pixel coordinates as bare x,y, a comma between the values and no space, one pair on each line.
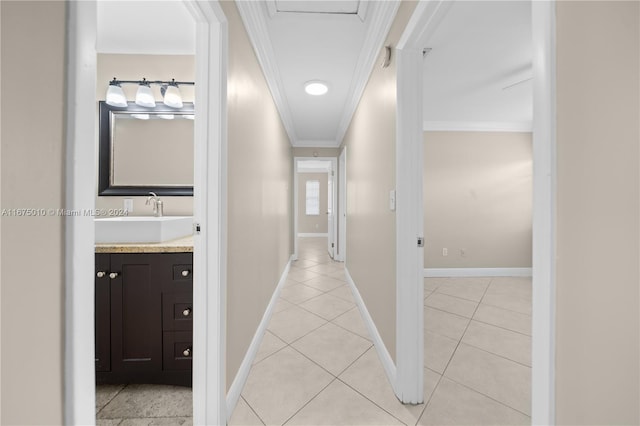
144,96
316,88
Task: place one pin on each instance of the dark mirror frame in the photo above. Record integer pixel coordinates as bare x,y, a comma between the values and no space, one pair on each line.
104,152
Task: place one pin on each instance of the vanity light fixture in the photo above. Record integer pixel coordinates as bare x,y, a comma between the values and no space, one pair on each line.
166,116
171,95
144,96
115,95
316,88
140,116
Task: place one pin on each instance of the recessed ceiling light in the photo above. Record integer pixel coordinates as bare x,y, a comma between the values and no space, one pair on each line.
316,88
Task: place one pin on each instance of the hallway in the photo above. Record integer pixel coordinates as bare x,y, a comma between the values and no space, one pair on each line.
317,364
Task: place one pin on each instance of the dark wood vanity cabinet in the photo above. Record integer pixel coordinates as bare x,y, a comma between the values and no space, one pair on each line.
144,312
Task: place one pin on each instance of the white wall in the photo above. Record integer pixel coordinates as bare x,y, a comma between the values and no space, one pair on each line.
477,199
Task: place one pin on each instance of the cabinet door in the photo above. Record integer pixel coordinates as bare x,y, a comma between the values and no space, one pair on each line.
103,313
136,306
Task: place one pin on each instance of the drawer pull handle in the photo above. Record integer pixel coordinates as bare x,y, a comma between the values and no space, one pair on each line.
185,273
113,275
187,352
101,274
186,312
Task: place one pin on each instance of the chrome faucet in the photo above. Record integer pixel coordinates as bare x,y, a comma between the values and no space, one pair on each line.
156,203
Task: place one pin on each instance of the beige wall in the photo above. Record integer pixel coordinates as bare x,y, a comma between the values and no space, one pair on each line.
33,92
477,199
316,224
371,174
260,173
597,334
151,67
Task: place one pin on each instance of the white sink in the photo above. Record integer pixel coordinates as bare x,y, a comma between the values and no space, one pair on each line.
142,229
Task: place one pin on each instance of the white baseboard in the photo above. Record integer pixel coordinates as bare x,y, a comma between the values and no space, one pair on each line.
477,272
243,372
310,234
383,353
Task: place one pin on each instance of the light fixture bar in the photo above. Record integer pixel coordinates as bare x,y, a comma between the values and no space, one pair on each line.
115,81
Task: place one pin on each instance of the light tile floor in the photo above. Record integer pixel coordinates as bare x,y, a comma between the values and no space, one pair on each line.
317,364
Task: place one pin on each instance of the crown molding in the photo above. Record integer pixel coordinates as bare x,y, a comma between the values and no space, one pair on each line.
477,126
381,15
253,18
315,144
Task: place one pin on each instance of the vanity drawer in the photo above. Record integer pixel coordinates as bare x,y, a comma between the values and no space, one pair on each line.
183,272
177,350
177,311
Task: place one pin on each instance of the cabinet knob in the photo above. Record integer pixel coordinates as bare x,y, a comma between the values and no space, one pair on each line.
185,273
186,312
113,275
187,352
101,274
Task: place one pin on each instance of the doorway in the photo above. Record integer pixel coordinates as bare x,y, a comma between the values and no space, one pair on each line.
315,201
208,383
411,49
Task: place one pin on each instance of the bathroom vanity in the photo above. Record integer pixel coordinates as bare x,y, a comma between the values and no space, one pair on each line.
144,312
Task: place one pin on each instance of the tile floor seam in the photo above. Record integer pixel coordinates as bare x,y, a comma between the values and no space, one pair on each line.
488,396
308,402
341,371
433,392
251,408
372,401
492,353
111,399
463,333
506,309
346,329
451,295
452,313
500,327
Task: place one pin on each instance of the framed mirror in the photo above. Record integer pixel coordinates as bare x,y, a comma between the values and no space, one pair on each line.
145,149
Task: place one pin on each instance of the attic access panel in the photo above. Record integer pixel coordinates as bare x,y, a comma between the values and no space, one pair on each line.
344,7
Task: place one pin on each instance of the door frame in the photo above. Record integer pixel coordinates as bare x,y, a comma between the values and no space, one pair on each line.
342,206
209,196
409,303
333,161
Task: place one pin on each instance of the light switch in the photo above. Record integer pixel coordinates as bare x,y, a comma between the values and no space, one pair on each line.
392,200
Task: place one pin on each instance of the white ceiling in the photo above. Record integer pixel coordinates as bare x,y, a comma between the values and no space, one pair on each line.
478,50
478,73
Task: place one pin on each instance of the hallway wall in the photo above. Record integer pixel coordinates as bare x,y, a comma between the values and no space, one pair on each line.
477,198
598,213
260,185
371,174
32,248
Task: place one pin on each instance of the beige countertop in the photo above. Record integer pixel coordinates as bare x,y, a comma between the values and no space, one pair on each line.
180,245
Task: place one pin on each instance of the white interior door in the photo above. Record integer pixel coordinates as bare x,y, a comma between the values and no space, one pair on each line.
331,234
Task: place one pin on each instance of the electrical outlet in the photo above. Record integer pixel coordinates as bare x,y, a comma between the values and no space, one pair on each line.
128,205
445,251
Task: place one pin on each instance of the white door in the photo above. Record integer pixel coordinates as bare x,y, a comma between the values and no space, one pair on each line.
330,215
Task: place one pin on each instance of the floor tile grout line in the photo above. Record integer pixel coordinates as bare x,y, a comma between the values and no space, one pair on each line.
110,399
500,327
426,404
452,313
485,395
312,398
252,410
463,333
369,399
493,353
506,309
451,295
